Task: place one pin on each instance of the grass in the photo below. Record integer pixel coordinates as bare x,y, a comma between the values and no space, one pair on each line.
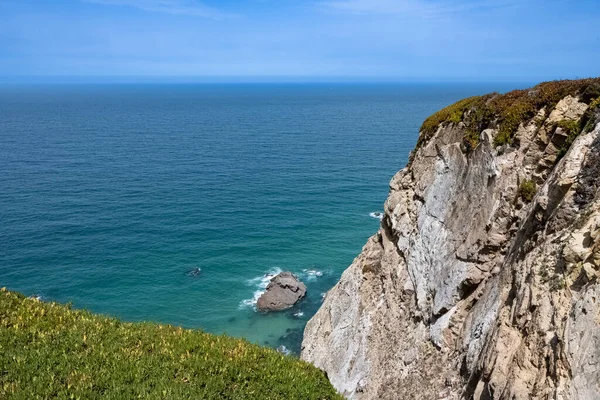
48,350
506,112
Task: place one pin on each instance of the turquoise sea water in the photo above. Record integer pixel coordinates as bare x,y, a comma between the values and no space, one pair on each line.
111,195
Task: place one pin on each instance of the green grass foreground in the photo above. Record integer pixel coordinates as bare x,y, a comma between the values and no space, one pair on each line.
48,350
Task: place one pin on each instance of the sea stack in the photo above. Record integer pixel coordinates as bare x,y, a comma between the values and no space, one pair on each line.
282,293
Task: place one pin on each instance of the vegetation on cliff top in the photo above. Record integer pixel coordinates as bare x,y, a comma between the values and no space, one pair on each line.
48,350
506,112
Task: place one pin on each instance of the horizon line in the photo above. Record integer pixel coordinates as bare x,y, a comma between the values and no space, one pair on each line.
230,79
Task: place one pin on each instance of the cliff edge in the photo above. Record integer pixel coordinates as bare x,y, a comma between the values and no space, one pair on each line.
482,279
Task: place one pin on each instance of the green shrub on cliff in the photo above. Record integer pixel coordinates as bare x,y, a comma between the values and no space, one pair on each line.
571,129
50,351
570,126
591,115
527,190
506,112
452,113
520,106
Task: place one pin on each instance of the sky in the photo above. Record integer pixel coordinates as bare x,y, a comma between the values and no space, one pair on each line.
304,40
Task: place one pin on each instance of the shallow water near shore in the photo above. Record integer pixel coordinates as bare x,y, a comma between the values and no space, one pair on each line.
114,195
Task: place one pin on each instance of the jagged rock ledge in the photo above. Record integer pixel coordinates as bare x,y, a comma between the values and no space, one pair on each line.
482,280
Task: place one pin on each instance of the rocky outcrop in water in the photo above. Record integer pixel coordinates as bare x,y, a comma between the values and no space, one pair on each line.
282,293
482,280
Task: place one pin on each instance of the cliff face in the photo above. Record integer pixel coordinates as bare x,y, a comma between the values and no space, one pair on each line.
482,280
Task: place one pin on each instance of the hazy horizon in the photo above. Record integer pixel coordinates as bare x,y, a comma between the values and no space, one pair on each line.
226,80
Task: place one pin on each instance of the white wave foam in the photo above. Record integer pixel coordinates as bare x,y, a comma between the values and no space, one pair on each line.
251,303
312,274
283,350
260,282
299,314
377,215
263,280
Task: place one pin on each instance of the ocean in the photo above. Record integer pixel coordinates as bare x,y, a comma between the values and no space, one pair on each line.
114,195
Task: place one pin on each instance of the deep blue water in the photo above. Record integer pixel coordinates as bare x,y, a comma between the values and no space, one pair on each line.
112,194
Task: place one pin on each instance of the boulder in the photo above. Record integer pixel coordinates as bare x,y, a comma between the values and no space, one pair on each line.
283,292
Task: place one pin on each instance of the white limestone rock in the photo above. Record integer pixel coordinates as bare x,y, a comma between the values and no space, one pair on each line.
467,291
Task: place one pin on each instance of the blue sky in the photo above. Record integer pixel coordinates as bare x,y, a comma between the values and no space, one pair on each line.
396,40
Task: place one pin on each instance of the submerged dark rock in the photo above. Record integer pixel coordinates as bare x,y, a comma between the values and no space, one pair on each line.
282,293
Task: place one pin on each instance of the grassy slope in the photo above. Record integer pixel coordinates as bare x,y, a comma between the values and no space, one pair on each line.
50,351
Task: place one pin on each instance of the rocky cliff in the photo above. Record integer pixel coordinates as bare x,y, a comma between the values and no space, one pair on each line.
482,280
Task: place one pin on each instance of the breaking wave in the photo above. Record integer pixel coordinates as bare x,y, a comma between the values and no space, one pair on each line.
377,215
260,283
